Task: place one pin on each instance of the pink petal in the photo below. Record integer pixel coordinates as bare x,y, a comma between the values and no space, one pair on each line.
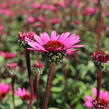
71,40
63,36
38,39
89,98
71,51
88,104
34,44
45,37
32,49
53,35
78,46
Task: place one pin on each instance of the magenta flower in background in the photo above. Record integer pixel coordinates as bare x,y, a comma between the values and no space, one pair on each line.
35,5
53,43
12,65
8,55
76,3
23,94
95,1
4,90
107,2
54,21
89,11
60,4
103,102
2,30
107,29
48,7
31,19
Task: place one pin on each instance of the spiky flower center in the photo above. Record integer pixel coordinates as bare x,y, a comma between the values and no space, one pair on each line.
2,95
53,45
101,104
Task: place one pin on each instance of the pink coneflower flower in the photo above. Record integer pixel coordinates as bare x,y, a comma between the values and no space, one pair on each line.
31,19
23,94
107,2
12,65
4,89
102,103
95,1
48,7
107,29
7,55
76,3
61,4
89,11
35,5
55,21
55,45
100,57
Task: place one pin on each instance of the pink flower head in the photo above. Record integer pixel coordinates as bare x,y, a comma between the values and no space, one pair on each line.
1,29
5,12
107,29
12,65
76,3
7,55
38,64
48,7
40,19
61,4
23,94
89,11
35,5
54,46
38,25
95,1
107,2
54,21
100,56
54,43
23,35
31,19
102,103
4,89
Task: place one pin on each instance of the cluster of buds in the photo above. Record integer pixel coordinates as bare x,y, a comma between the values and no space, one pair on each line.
23,36
11,69
101,59
38,67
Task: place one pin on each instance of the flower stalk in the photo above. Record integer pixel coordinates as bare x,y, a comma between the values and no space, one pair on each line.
13,90
37,78
99,83
49,85
27,53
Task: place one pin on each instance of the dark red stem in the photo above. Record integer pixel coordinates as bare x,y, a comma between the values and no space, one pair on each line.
37,78
49,85
99,25
13,97
99,83
28,64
